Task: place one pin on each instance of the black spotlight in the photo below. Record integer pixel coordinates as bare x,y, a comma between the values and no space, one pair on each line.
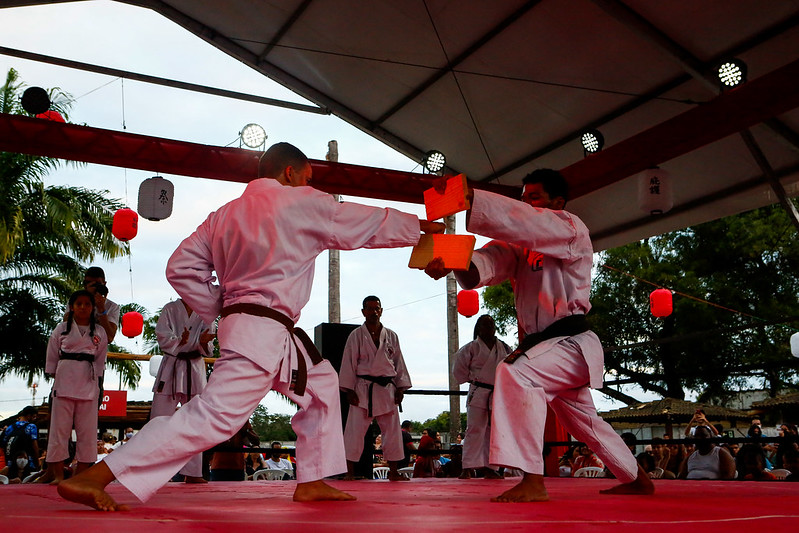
731,73
434,161
592,141
35,100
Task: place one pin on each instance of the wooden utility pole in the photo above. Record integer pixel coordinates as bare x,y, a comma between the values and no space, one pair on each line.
333,267
452,344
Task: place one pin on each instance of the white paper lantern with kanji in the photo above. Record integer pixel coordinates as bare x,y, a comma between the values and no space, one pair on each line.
155,198
795,344
655,191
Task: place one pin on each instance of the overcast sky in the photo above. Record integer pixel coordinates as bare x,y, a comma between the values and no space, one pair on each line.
139,40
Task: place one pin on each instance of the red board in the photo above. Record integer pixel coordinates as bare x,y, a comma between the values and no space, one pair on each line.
115,403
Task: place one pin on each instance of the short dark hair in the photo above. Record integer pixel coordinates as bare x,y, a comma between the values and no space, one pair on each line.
553,181
94,272
371,298
28,410
278,157
406,424
273,444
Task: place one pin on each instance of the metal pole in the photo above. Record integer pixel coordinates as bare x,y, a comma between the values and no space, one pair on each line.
452,343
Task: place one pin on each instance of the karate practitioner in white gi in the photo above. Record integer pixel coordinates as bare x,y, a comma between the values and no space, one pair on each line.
476,363
374,377
76,356
548,252
184,340
105,311
262,247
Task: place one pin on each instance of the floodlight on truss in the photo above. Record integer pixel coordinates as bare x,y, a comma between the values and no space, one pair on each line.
731,73
434,161
592,141
253,135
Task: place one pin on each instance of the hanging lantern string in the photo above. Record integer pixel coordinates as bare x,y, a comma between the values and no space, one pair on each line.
642,280
401,305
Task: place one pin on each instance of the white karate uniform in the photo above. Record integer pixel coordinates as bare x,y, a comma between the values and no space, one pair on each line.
362,358
172,384
75,391
475,361
549,255
262,247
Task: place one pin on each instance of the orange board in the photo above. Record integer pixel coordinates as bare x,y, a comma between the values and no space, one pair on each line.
455,250
452,201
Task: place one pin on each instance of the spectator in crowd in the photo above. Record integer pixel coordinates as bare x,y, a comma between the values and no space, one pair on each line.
662,456
585,458
789,433
566,462
229,465
22,434
426,465
646,459
407,444
276,462
17,467
790,461
677,455
126,436
755,433
254,462
708,461
751,464
699,419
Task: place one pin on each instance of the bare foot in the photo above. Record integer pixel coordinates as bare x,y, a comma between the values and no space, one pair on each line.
315,491
642,485
88,487
396,476
530,489
194,479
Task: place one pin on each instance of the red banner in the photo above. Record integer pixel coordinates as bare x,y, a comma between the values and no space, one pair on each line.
115,403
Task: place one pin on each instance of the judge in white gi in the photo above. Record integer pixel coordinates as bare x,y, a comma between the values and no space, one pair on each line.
475,363
184,340
374,378
262,247
548,252
76,356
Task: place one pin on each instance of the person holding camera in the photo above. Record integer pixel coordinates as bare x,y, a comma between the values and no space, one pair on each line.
106,312
700,419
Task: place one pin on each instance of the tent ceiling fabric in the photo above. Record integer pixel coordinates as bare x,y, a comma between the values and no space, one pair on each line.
504,87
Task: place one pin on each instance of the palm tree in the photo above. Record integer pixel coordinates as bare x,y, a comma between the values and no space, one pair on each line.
46,234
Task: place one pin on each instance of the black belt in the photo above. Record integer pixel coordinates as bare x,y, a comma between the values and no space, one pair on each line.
188,357
299,378
483,385
383,381
565,327
77,356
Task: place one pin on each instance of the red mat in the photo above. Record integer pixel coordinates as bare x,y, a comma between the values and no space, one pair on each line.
416,506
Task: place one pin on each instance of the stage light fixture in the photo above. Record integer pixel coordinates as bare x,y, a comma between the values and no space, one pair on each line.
592,141
434,161
731,73
253,135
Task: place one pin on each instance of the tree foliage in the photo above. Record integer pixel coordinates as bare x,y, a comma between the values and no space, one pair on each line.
733,279
272,427
46,236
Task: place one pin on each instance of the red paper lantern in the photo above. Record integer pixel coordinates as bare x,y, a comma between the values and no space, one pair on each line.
126,224
132,324
55,116
660,302
468,303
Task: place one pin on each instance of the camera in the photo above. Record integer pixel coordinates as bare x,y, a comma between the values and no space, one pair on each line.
100,289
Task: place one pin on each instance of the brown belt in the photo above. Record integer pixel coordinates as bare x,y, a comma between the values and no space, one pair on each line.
299,377
568,326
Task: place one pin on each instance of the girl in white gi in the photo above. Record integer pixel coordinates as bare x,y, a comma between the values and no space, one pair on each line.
185,339
476,363
76,357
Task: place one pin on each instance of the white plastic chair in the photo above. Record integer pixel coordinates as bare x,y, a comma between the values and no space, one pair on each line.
30,477
657,473
590,471
380,472
781,473
269,474
407,472
3,480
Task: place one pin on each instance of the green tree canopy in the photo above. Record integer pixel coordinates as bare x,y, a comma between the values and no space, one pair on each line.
271,427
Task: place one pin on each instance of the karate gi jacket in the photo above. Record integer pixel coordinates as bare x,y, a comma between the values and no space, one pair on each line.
475,361
77,380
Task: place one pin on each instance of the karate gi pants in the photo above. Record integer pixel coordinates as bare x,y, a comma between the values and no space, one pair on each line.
358,421
165,405
65,412
235,388
477,439
557,375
